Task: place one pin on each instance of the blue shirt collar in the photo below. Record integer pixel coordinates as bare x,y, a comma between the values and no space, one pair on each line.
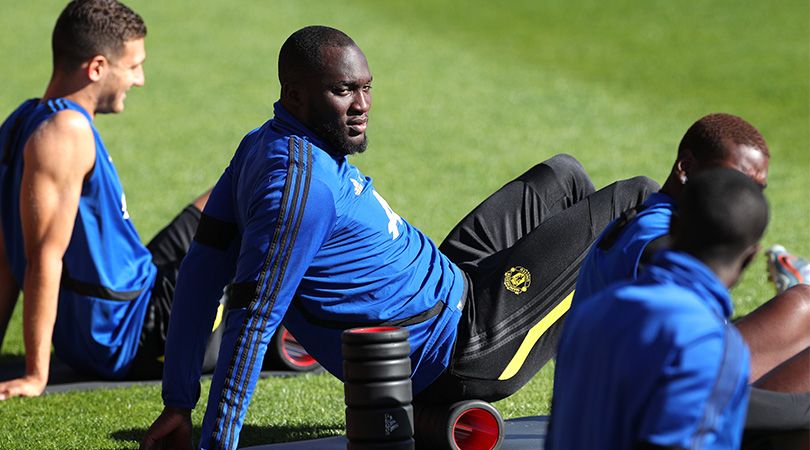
689,272
659,198
286,123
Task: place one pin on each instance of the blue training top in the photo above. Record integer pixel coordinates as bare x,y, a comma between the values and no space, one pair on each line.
108,273
653,360
317,246
620,262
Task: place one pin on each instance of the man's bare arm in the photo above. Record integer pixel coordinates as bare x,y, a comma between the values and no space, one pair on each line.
9,290
58,157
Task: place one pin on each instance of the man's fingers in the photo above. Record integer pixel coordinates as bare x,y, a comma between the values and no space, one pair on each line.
21,387
181,438
155,435
10,389
151,441
171,428
147,443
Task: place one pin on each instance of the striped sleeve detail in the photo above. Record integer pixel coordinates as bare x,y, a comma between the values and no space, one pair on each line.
293,202
731,370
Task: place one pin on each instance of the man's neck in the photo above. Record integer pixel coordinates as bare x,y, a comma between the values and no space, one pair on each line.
75,91
673,187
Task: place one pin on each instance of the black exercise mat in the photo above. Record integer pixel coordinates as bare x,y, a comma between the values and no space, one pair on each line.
524,433
64,379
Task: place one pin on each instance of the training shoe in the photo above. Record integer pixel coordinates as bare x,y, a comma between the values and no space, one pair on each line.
786,270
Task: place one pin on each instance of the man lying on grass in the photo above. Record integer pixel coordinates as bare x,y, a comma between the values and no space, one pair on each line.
654,363
89,284
301,235
777,332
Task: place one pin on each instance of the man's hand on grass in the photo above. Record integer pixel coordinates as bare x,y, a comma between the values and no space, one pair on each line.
172,429
27,386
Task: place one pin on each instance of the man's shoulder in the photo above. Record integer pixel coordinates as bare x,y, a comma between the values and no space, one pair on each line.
265,150
64,139
656,214
268,160
47,119
67,123
678,312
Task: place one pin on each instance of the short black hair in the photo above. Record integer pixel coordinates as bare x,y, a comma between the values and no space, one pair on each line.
301,52
87,28
722,213
708,139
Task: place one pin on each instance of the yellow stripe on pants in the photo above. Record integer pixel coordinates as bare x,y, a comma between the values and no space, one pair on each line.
532,337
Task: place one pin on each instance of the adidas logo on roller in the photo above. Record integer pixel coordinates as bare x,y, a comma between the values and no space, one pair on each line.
391,424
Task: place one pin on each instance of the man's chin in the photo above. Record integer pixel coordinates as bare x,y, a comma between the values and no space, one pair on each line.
352,147
110,109
340,142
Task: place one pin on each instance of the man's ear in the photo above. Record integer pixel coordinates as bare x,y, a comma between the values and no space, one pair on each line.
96,67
294,99
290,94
683,166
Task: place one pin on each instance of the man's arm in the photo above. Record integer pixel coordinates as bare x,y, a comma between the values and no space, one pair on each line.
278,247
9,290
58,157
206,269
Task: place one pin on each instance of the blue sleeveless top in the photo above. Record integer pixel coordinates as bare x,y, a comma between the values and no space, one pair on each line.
107,272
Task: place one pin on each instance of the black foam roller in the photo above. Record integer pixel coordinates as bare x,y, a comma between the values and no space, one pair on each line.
406,444
459,426
378,393
374,335
371,352
382,370
379,424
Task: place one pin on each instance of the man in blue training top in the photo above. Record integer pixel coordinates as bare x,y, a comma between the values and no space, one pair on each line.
776,332
654,363
299,234
66,239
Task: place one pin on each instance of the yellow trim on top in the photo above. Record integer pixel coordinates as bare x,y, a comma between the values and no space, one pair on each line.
533,335
218,318
217,321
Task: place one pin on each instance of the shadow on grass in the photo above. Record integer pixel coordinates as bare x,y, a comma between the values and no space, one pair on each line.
251,434
11,366
11,359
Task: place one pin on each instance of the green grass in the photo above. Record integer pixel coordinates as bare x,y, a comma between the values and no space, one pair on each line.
467,95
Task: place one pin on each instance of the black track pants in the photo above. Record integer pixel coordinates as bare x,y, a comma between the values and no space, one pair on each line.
521,250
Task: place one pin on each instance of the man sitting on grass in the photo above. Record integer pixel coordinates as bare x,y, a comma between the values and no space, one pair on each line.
777,332
303,236
89,284
654,362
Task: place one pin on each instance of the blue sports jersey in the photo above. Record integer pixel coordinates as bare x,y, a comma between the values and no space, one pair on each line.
323,249
620,262
108,273
653,360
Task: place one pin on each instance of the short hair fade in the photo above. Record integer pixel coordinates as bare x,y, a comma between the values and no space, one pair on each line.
302,50
708,139
87,28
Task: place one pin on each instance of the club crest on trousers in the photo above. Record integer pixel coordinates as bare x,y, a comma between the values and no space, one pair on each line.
517,279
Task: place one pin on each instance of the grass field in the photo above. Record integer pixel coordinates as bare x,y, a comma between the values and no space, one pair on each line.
467,95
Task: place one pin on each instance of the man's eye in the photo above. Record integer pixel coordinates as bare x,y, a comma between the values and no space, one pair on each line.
341,91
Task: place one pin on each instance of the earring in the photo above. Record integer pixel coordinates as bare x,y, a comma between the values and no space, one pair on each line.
683,179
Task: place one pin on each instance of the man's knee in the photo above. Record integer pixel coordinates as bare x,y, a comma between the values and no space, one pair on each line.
800,298
565,165
641,184
564,168
636,189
